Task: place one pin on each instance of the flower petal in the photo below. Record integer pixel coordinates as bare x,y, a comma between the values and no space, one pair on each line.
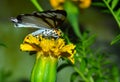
49,47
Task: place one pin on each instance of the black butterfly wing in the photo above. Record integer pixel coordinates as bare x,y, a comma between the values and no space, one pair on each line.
53,18
46,19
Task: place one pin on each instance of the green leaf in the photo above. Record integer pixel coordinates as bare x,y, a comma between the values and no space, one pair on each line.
115,73
114,3
112,11
108,1
117,12
89,41
92,71
116,39
83,65
119,18
99,4
106,11
100,80
37,5
73,13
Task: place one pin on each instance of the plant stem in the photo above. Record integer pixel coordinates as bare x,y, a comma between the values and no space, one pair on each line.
83,77
112,12
35,3
44,70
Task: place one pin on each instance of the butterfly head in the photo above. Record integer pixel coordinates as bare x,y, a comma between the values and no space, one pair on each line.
15,21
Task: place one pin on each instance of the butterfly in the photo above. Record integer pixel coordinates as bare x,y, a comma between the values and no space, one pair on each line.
47,22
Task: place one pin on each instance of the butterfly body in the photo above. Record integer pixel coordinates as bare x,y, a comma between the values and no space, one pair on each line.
47,22
47,33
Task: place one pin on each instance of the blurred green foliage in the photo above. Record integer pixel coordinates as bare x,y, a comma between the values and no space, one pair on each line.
91,65
4,75
110,6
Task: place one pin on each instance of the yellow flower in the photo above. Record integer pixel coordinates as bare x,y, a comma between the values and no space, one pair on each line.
48,47
84,3
58,4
